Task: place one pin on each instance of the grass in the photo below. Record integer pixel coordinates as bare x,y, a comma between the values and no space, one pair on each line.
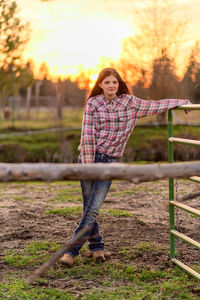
138,250
67,184
68,195
129,192
33,253
21,198
116,213
111,280
144,247
71,117
47,147
67,198
120,277
16,289
75,210
193,216
24,183
115,281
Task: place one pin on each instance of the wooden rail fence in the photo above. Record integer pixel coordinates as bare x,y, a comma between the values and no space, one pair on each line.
119,171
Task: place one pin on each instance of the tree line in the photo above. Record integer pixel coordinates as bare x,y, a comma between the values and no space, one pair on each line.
150,60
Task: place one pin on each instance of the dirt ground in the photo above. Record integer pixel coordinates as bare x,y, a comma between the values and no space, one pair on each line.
23,220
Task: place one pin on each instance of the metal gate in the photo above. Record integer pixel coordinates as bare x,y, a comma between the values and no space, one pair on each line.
175,204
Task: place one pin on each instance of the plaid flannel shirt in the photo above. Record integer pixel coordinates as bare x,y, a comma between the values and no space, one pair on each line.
107,125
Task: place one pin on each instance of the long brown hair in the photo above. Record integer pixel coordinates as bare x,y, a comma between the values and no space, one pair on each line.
97,90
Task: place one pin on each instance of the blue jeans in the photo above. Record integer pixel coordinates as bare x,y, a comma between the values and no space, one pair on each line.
94,193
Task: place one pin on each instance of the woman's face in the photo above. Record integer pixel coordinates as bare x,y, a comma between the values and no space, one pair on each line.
110,86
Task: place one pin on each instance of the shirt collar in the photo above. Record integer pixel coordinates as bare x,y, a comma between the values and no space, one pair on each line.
109,102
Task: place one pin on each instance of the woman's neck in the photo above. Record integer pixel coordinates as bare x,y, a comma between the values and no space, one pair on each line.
110,97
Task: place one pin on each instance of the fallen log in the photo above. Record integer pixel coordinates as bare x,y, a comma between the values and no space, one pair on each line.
99,171
57,255
190,196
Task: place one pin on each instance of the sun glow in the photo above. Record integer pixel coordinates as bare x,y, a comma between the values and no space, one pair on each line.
93,79
72,36
71,45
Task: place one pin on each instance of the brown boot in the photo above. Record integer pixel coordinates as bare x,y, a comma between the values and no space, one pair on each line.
67,260
98,256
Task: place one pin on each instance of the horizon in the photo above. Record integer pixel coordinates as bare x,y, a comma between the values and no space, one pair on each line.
70,52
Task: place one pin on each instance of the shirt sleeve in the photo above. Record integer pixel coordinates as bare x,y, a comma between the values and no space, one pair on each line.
152,107
88,142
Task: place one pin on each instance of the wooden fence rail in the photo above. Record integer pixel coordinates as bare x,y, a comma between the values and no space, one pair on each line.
99,171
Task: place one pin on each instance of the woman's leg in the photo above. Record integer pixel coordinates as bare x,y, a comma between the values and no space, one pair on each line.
98,194
95,240
94,193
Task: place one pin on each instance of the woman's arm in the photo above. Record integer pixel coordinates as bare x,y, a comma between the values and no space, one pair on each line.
151,107
88,143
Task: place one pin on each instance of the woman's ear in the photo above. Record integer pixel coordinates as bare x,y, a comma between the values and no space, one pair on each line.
100,85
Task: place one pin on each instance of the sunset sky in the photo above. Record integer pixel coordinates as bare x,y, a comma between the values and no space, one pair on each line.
67,34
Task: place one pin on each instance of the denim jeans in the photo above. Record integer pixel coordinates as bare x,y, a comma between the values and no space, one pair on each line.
93,193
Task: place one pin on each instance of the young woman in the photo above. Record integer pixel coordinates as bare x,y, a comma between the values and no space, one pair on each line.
109,118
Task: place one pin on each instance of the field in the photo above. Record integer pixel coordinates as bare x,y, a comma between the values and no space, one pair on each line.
37,218
72,117
145,143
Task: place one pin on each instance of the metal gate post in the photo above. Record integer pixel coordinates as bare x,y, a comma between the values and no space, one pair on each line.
176,204
171,185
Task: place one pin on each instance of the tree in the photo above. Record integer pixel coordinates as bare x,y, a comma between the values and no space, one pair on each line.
164,82
13,38
47,88
83,79
25,76
74,94
44,71
192,74
159,29
196,94
26,80
141,87
13,34
154,49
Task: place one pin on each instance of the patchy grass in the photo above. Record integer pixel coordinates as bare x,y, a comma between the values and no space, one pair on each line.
139,250
67,184
24,183
21,198
144,247
68,195
71,117
67,198
16,289
117,213
75,210
137,264
130,192
115,281
46,147
33,254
